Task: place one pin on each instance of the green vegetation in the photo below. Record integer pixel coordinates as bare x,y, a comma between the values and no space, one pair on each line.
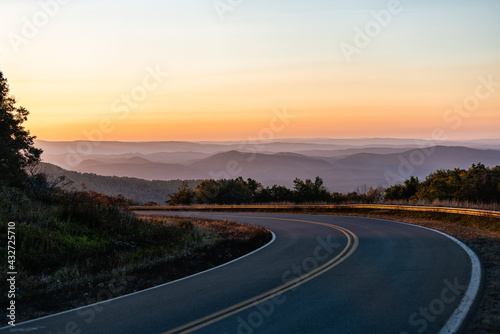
240,191
478,184
69,243
87,231
138,190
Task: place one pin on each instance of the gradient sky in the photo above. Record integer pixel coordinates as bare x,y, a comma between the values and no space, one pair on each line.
230,71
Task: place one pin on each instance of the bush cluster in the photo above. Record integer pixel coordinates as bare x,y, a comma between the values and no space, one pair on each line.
85,230
478,184
240,191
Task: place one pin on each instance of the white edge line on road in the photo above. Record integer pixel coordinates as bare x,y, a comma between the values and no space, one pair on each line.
148,289
458,317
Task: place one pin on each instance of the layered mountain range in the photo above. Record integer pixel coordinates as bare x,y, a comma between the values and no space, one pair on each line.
344,164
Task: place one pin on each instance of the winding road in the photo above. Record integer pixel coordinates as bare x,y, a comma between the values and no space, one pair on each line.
320,274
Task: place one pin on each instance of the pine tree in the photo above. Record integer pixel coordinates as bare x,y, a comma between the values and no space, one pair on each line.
16,145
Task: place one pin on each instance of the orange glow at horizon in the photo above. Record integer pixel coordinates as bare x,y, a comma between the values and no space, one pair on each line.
408,102
172,70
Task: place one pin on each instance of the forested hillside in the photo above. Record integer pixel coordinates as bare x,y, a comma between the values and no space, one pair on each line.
140,191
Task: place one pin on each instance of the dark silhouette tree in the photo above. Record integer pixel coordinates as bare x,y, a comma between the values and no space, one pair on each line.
183,196
405,192
280,194
309,191
16,145
374,195
208,192
256,191
234,192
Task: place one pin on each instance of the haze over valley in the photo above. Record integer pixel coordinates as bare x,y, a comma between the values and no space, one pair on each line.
344,165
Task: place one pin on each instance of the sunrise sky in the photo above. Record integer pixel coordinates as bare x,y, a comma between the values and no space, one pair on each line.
85,67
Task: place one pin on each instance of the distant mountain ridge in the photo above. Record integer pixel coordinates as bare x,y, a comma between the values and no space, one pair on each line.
424,161
344,165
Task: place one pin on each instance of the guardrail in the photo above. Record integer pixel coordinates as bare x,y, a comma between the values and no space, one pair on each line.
460,211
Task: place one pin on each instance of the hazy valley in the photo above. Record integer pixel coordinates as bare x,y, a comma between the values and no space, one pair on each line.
344,165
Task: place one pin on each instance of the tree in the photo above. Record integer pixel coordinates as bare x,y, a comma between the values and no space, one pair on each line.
309,191
208,192
476,187
280,194
374,195
405,192
234,192
183,196
16,145
256,191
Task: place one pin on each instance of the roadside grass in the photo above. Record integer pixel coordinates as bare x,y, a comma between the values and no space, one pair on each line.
74,249
450,204
486,223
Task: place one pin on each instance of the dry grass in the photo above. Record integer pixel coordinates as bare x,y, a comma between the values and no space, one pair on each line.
451,204
208,243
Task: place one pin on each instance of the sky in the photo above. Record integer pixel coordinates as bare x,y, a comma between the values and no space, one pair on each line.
262,69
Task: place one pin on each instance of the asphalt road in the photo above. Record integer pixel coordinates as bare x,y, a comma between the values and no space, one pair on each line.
321,274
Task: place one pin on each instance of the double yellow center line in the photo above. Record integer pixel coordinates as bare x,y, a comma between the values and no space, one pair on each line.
352,244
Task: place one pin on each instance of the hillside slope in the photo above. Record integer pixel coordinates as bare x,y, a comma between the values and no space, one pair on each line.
139,190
